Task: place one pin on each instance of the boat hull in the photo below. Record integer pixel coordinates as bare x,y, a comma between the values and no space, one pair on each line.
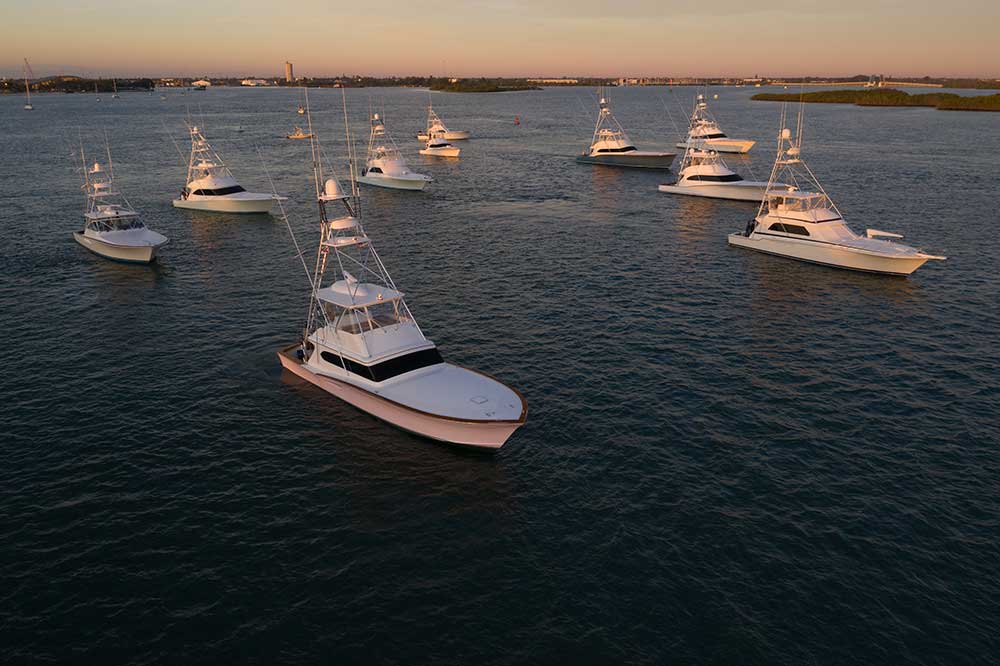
450,135
739,191
441,152
227,205
720,145
637,160
132,254
486,435
394,183
829,254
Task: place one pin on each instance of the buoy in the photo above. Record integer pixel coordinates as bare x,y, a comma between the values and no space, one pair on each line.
517,120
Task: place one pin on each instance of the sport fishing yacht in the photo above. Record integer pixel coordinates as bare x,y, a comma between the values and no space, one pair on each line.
111,227
610,145
436,146
799,221
704,132
211,186
299,134
361,343
385,166
703,173
436,127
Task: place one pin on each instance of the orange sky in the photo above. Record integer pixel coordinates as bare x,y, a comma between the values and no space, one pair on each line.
515,38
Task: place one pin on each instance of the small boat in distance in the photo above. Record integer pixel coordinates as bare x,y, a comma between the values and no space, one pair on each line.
97,93
299,134
27,87
114,86
301,111
436,127
111,227
799,221
362,344
211,186
436,146
610,146
703,173
385,166
704,132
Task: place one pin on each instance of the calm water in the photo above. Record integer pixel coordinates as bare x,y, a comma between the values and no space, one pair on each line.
729,458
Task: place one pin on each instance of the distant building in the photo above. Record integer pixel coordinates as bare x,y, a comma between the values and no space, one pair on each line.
289,75
254,83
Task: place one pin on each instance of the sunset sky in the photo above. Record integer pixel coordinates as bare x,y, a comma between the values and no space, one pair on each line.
495,38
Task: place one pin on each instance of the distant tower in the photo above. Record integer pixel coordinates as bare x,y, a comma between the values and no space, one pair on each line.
289,77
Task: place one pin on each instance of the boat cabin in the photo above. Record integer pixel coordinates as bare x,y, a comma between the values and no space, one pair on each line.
809,207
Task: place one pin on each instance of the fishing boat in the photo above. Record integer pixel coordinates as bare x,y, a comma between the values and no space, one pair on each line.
703,173
27,87
114,86
299,134
362,344
436,127
111,227
211,186
436,146
610,146
798,220
384,165
704,132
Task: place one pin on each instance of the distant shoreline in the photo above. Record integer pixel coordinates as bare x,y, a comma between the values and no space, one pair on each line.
888,97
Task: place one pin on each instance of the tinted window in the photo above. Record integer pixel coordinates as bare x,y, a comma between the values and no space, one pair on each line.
788,229
730,178
616,150
221,191
717,135
375,170
387,369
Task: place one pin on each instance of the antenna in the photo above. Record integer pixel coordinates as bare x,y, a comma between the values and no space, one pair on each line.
107,147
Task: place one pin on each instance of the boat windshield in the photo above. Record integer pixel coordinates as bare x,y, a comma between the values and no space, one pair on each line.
799,203
370,318
117,224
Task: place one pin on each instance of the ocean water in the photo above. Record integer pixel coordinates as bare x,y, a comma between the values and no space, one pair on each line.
729,458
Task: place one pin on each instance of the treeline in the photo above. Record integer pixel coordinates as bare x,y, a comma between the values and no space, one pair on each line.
889,97
482,85
74,84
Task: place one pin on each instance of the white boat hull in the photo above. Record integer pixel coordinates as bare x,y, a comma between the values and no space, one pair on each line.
637,159
829,254
450,151
134,254
489,435
450,135
739,191
394,183
258,204
720,145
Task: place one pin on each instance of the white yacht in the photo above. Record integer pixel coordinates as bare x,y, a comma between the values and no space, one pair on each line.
799,221
362,344
211,186
610,145
27,88
436,127
385,166
436,146
703,173
704,132
111,227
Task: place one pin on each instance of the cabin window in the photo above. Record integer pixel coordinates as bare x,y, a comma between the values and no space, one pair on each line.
233,189
716,135
616,150
386,369
374,170
788,229
728,178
